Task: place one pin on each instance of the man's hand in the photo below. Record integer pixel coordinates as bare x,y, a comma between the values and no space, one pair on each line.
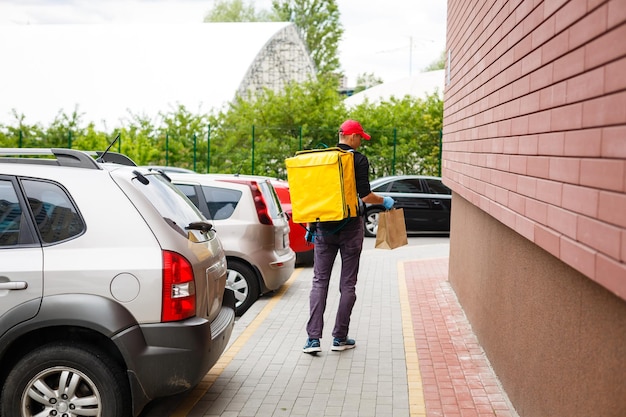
388,202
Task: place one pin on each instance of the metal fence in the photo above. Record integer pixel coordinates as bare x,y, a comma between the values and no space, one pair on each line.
257,150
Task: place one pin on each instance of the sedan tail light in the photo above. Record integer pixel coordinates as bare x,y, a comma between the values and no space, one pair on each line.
179,290
261,206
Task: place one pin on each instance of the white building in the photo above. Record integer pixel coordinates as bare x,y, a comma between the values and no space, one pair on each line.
417,86
109,72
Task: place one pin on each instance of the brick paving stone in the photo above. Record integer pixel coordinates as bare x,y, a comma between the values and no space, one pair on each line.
457,378
416,354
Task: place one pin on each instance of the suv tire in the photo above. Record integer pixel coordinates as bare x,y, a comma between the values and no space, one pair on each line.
66,376
245,285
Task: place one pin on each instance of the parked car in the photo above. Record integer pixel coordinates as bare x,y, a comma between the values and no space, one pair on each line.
426,201
253,228
112,286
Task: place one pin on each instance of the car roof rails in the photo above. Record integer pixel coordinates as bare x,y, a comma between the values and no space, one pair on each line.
64,157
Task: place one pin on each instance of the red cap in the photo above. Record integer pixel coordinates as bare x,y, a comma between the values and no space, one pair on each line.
350,127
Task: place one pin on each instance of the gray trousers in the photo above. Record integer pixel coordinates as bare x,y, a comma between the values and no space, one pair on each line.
348,241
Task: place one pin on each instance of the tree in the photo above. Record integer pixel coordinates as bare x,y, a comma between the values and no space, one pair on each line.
438,64
64,129
405,134
320,27
277,125
255,134
22,134
236,11
365,81
139,141
180,135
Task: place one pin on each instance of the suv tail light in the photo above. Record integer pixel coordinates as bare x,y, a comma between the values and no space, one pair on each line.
259,201
179,289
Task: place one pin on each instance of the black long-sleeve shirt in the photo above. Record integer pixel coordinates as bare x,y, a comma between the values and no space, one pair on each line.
361,171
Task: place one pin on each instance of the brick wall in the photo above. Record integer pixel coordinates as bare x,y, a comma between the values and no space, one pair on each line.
535,124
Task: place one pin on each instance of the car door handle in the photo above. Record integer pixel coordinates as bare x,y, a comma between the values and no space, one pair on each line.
13,285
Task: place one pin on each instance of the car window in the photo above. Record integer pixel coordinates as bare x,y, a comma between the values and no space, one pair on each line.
55,215
10,215
190,191
169,201
437,187
407,186
221,201
380,188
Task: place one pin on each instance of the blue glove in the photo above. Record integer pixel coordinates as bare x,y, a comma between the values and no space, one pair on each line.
308,236
388,202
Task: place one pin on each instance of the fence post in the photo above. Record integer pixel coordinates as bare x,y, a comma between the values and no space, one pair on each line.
393,162
208,148
20,139
300,139
252,149
195,141
69,139
167,148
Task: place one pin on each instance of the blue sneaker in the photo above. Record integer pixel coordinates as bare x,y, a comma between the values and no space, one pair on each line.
343,343
312,346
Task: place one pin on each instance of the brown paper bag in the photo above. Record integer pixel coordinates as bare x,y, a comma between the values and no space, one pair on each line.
391,229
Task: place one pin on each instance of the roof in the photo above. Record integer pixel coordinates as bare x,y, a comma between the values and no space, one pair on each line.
418,86
108,69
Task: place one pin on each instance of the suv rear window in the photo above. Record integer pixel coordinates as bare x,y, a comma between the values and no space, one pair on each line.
170,202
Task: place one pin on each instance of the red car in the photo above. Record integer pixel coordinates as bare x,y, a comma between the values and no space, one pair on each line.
297,240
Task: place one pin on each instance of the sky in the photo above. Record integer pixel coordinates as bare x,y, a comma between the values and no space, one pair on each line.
391,39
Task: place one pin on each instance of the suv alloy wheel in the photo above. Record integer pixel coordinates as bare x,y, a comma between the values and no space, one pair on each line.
65,379
243,281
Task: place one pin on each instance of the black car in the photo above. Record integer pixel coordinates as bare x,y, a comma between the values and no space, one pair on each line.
426,202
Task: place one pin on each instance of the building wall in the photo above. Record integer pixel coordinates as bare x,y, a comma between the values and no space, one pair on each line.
555,338
535,131
534,149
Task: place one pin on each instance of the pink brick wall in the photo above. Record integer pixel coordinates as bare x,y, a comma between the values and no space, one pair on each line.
535,124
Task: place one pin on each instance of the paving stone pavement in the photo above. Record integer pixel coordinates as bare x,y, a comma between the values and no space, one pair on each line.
416,354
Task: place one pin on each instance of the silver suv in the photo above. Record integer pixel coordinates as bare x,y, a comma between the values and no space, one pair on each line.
112,287
253,228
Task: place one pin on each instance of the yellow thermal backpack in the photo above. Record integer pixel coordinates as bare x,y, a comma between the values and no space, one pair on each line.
322,185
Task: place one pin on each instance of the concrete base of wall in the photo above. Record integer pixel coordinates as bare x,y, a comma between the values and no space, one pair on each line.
556,339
